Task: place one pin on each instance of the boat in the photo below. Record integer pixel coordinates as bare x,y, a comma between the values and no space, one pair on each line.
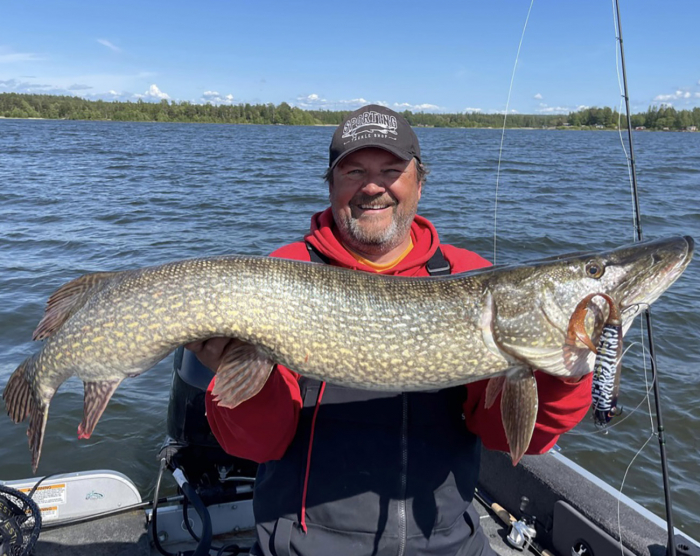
545,505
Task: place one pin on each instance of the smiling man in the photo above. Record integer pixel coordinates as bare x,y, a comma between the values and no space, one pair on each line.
348,472
374,197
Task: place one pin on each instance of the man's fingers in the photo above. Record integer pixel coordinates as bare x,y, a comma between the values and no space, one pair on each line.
209,352
215,347
195,347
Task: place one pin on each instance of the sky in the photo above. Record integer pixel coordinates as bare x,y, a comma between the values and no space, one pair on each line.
439,56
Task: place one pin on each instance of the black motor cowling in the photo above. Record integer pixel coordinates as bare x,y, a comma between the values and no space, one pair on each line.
191,445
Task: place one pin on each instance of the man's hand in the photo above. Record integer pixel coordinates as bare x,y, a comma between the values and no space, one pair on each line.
211,351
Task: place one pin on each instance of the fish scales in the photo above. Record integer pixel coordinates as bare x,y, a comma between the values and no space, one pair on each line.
347,327
350,328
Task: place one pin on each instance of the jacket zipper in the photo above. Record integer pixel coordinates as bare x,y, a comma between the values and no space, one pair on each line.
404,475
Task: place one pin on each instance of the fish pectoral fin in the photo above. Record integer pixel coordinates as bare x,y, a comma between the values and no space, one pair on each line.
242,373
67,299
95,400
519,411
493,389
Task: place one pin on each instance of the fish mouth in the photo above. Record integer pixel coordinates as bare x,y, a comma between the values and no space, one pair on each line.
678,257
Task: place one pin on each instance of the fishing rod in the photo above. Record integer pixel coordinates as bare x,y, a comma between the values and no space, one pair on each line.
671,546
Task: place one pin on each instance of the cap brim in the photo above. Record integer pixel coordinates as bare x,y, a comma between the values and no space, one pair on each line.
395,152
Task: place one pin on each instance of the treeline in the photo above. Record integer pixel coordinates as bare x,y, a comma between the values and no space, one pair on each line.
656,118
15,105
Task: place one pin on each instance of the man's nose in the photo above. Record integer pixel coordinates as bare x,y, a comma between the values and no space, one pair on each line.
375,183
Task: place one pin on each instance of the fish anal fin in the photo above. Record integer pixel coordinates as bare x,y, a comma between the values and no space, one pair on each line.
67,299
519,411
242,373
493,389
97,396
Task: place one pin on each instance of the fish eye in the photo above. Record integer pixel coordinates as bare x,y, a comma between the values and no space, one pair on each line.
594,269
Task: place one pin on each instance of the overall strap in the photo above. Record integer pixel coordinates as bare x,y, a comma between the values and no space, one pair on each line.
316,255
438,265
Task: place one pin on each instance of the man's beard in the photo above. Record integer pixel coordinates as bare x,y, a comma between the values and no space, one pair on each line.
368,240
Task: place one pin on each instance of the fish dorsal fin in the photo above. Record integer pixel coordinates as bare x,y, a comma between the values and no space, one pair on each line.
67,299
242,373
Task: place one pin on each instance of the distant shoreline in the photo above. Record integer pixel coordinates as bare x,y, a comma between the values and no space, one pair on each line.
551,128
54,107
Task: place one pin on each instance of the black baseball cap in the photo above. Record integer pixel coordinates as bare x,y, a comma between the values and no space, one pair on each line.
374,126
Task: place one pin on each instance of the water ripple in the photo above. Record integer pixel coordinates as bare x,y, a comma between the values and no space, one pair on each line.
77,197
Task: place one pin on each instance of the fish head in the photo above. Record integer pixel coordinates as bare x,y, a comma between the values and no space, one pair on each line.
533,304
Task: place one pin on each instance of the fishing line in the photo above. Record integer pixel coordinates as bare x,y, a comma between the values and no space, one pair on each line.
627,414
624,478
671,546
631,169
503,131
619,112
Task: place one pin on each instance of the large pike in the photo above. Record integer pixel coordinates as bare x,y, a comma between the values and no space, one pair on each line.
350,328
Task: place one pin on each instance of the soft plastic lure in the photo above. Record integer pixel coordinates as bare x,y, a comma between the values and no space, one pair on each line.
607,367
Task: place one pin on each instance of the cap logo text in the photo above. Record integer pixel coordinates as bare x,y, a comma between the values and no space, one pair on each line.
369,123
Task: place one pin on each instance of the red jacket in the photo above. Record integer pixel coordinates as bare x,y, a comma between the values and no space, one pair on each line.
262,428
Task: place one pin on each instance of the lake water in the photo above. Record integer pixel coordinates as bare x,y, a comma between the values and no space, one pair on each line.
77,197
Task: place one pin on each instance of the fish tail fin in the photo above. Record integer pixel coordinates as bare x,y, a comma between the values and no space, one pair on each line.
21,401
519,412
18,392
97,396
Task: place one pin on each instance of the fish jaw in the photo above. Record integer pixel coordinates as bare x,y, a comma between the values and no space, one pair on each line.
533,305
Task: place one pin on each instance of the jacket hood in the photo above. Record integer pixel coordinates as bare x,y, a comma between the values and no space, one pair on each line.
324,237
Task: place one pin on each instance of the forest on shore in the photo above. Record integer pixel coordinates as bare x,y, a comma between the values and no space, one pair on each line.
18,105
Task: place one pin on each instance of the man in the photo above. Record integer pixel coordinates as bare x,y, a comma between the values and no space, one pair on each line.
348,472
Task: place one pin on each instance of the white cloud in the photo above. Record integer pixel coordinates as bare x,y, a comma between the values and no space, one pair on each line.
105,42
678,95
358,102
314,101
545,109
213,97
8,56
27,87
538,96
471,110
416,107
685,95
153,93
